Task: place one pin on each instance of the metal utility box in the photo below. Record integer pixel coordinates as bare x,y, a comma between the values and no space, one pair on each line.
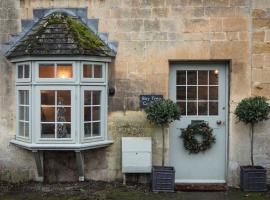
136,154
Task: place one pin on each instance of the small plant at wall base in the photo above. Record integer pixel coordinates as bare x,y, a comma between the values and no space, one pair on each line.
161,113
251,111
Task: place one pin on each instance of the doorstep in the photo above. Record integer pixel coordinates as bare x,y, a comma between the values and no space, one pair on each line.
201,187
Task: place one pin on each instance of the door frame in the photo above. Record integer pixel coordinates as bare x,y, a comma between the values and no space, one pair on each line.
227,64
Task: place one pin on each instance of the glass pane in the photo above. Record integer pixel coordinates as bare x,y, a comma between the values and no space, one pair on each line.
21,129
26,114
213,108
63,97
191,92
98,71
21,112
26,71
96,97
63,114
47,97
47,130
96,128
191,108
64,71
192,77
87,71
202,92
181,78
202,108
202,77
63,130
46,70
87,129
96,113
182,106
213,92
213,77
26,130
47,114
87,97
87,114
24,97
181,92
20,71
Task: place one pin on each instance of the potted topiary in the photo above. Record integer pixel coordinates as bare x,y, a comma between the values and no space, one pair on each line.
162,112
251,111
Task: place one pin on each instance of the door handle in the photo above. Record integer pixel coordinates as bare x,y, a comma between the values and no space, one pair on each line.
219,122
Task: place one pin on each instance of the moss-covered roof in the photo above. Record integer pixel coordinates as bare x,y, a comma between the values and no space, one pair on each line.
60,34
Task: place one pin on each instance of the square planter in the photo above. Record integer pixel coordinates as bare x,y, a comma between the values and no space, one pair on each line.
163,179
253,179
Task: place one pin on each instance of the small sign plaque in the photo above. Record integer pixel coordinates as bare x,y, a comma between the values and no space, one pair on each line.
146,99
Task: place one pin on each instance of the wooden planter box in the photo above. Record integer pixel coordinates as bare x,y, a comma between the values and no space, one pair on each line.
163,179
253,179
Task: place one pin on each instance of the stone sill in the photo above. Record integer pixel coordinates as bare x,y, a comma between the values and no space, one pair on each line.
61,147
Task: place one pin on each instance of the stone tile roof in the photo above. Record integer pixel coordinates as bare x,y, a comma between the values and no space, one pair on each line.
60,34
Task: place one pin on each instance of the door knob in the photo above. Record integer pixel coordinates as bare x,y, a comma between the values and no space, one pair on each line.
218,122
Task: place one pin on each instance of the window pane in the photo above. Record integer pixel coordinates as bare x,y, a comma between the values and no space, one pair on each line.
63,97
213,78
98,71
96,128
202,92
87,97
213,93
64,71
87,129
87,114
96,113
213,108
23,97
182,106
63,114
26,71
202,77
203,108
47,130
87,71
181,78
26,114
46,71
96,97
26,134
47,97
191,92
21,129
191,108
47,114
20,71
63,130
181,93
21,112
26,97
192,77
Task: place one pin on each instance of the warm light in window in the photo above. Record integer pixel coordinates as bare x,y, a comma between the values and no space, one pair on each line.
64,71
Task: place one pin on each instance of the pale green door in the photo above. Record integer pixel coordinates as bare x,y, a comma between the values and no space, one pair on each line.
200,89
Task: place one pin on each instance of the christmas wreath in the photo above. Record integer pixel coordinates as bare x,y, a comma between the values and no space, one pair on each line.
191,143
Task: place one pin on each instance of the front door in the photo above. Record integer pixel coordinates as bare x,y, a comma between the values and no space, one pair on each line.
200,90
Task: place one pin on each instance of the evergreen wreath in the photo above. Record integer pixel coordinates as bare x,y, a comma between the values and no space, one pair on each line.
191,144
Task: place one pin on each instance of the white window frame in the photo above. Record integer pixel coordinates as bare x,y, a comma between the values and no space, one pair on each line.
103,114
94,80
37,115
18,136
55,80
23,80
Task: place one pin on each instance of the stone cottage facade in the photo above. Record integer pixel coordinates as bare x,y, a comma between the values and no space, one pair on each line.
154,38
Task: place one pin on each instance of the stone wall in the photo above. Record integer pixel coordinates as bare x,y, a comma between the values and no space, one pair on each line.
150,33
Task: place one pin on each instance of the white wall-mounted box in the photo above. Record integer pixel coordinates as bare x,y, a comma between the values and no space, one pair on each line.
136,154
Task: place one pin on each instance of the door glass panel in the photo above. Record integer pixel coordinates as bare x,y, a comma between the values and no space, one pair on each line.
182,106
46,71
202,92
202,77
213,108
181,93
192,108
192,77
203,108
213,93
191,93
181,78
213,77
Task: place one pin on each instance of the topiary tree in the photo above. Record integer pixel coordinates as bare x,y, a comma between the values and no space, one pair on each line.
162,112
251,111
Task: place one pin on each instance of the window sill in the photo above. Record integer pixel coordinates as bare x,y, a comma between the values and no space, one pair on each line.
61,147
